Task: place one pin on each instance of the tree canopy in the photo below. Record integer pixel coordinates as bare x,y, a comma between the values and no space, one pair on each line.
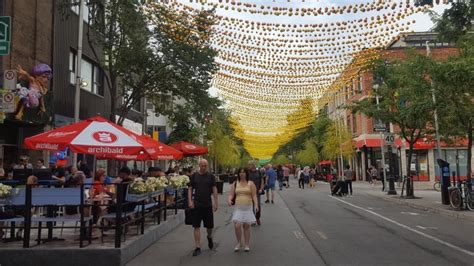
150,54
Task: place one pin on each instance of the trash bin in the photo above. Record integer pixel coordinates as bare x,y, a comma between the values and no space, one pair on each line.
445,181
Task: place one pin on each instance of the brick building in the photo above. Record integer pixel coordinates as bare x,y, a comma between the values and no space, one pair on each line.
368,142
44,31
31,43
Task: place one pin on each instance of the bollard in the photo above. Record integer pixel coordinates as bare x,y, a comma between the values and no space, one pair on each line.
391,186
410,187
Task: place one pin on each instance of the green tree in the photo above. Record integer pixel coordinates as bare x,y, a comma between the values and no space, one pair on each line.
338,141
244,157
184,128
182,43
455,21
453,78
280,159
223,150
150,50
454,83
319,129
405,97
309,154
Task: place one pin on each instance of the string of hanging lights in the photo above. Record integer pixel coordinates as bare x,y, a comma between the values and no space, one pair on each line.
280,61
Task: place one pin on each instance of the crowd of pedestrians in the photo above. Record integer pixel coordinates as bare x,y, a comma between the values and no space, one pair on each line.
244,197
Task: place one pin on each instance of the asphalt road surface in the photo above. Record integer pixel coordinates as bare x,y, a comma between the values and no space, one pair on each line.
310,227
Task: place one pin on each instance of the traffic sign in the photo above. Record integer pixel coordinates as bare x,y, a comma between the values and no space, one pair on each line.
380,129
10,79
389,139
5,35
379,126
8,105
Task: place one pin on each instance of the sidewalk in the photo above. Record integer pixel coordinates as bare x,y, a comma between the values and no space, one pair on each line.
428,200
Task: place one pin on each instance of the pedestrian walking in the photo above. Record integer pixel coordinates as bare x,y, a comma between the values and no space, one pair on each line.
280,176
372,174
286,175
258,179
243,194
271,177
348,173
202,185
298,172
304,175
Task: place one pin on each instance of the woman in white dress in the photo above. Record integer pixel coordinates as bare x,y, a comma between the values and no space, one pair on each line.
243,194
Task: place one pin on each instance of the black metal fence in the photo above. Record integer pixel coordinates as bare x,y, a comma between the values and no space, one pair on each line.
17,211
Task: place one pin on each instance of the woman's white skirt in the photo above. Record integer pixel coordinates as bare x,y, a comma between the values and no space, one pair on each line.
243,214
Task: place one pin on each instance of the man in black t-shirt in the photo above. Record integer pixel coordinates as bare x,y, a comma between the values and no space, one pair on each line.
203,184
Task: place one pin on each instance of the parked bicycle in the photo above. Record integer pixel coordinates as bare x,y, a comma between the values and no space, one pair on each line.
461,195
437,186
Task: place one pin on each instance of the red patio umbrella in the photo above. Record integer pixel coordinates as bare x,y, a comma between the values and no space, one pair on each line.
189,149
156,151
96,135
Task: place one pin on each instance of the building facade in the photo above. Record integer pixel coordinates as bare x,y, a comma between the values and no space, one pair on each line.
32,42
369,143
46,31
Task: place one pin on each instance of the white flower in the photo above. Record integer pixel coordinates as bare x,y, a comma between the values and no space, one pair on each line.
156,183
138,187
179,181
5,191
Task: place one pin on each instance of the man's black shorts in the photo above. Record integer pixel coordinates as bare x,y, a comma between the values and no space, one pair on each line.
205,215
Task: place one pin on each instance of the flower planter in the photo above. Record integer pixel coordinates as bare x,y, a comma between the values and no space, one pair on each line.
137,197
5,201
156,193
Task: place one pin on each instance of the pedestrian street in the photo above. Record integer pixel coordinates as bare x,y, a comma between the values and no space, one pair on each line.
310,227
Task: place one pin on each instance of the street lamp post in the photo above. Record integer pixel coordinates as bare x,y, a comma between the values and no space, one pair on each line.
382,141
435,112
77,97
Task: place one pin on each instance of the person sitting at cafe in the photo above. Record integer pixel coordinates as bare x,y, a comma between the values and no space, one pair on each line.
32,181
2,171
71,172
99,194
40,164
59,174
82,165
75,181
124,178
99,187
24,163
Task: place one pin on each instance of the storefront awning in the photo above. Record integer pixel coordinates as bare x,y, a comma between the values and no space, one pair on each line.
374,143
325,162
421,144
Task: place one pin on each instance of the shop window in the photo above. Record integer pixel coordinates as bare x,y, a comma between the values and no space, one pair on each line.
91,74
457,160
354,123
419,167
85,9
360,86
